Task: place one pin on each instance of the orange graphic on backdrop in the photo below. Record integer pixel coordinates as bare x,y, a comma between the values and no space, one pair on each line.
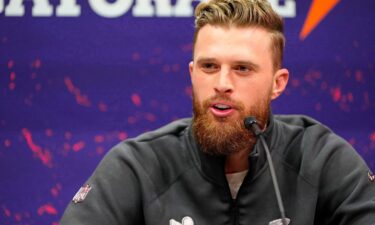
318,11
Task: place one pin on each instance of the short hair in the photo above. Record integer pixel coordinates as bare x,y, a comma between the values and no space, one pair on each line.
243,13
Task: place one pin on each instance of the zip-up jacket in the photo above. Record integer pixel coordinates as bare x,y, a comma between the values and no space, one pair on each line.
163,175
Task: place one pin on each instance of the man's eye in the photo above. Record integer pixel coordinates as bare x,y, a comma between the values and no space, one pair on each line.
209,67
242,68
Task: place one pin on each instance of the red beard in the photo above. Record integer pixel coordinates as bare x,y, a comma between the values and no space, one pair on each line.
225,136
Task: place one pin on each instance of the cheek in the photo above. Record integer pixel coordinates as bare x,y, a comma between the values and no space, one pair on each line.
252,93
201,87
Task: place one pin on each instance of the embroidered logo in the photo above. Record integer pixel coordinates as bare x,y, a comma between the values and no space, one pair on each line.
371,176
279,222
185,221
81,194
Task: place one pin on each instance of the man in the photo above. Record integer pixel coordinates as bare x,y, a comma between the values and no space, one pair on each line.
211,170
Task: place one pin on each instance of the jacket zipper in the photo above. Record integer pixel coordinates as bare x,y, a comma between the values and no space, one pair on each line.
234,202
234,212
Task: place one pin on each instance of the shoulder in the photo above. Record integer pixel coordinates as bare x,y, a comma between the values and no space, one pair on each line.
300,135
173,129
161,139
312,149
300,123
159,156
308,131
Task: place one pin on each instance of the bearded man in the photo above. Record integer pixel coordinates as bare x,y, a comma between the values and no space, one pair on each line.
210,169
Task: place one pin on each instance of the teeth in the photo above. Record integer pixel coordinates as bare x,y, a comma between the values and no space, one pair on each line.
222,107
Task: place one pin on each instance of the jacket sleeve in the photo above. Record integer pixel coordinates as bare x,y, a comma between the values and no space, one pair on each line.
115,195
346,194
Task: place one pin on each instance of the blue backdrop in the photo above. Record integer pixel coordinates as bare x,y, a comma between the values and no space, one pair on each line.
77,77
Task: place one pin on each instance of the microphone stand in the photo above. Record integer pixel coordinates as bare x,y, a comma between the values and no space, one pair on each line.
252,125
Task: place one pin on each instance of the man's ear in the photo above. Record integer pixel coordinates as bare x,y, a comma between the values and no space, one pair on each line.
280,81
191,65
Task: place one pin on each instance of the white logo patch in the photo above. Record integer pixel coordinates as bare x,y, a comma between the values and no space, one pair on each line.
371,176
185,221
279,222
81,194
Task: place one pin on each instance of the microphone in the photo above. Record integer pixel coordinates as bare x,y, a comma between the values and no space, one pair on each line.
252,125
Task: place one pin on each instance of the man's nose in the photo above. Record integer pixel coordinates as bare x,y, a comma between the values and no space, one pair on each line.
224,82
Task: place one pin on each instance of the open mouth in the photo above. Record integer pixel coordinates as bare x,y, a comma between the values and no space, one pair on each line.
221,110
222,107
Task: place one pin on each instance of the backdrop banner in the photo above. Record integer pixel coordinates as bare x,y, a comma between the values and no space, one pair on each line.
77,77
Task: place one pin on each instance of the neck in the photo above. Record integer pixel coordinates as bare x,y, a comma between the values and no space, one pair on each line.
237,162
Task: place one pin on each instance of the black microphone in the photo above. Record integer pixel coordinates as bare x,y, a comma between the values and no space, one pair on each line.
252,125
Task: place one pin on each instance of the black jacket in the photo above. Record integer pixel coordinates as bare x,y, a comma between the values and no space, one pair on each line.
162,175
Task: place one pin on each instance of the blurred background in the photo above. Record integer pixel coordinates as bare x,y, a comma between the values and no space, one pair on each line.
77,77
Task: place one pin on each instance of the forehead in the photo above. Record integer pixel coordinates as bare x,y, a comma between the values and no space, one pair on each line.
232,41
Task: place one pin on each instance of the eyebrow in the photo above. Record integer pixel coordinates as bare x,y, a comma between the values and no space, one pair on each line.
239,62
204,59
254,66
